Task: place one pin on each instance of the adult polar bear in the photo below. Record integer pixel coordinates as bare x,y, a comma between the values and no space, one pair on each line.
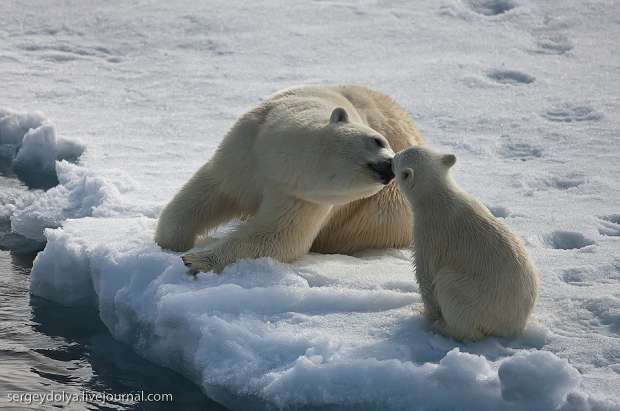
308,166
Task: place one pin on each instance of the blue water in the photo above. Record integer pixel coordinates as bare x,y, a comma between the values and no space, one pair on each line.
46,347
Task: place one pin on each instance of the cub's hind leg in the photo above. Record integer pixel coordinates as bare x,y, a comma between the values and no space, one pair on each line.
460,303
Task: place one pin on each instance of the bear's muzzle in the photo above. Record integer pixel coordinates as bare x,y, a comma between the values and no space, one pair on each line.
383,169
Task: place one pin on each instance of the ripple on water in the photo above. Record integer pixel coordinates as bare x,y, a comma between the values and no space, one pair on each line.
44,347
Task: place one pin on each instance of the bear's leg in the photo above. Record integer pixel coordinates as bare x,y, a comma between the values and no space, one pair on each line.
200,205
283,229
426,288
459,303
431,307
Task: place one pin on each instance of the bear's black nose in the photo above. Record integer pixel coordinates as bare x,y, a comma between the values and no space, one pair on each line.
383,169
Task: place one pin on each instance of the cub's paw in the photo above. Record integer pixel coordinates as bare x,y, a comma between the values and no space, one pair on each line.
202,261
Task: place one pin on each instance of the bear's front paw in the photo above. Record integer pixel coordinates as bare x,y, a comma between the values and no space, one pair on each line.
203,261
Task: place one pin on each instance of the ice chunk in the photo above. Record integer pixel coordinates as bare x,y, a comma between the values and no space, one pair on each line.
14,196
537,377
69,150
29,147
79,194
14,125
63,281
279,335
35,161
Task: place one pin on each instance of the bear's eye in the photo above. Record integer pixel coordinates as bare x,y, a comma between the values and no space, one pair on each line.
380,143
406,174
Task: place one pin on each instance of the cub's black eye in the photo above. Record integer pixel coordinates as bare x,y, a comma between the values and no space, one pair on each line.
380,143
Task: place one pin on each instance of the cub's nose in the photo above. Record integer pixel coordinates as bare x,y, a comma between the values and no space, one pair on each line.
383,170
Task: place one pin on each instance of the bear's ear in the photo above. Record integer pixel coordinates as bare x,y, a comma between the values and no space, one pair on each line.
339,115
406,174
448,160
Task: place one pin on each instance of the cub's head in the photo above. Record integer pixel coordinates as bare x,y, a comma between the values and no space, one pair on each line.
353,161
421,171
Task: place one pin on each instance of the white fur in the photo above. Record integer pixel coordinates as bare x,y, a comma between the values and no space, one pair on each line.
475,276
298,166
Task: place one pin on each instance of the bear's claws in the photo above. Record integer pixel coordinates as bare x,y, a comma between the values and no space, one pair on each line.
199,262
191,271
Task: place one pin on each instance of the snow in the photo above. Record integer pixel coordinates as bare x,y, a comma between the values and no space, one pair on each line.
521,91
326,330
80,193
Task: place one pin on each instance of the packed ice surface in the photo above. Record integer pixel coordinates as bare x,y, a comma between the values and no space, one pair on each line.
327,330
524,94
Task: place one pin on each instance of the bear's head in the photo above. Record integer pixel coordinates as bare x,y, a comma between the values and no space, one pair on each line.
325,155
355,160
322,154
420,171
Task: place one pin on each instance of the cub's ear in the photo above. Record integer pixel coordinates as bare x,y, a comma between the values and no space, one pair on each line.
339,115
406,174
448,160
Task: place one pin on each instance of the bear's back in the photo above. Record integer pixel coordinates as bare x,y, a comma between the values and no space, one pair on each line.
383,114
375,109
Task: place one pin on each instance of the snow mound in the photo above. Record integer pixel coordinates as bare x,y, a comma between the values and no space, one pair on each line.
28,146
537,377
79,194
13,196
30,149
326,331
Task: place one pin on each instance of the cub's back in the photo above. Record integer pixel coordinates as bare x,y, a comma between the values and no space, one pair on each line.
469,239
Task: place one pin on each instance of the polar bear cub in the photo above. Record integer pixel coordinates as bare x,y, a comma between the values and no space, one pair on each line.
474,274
